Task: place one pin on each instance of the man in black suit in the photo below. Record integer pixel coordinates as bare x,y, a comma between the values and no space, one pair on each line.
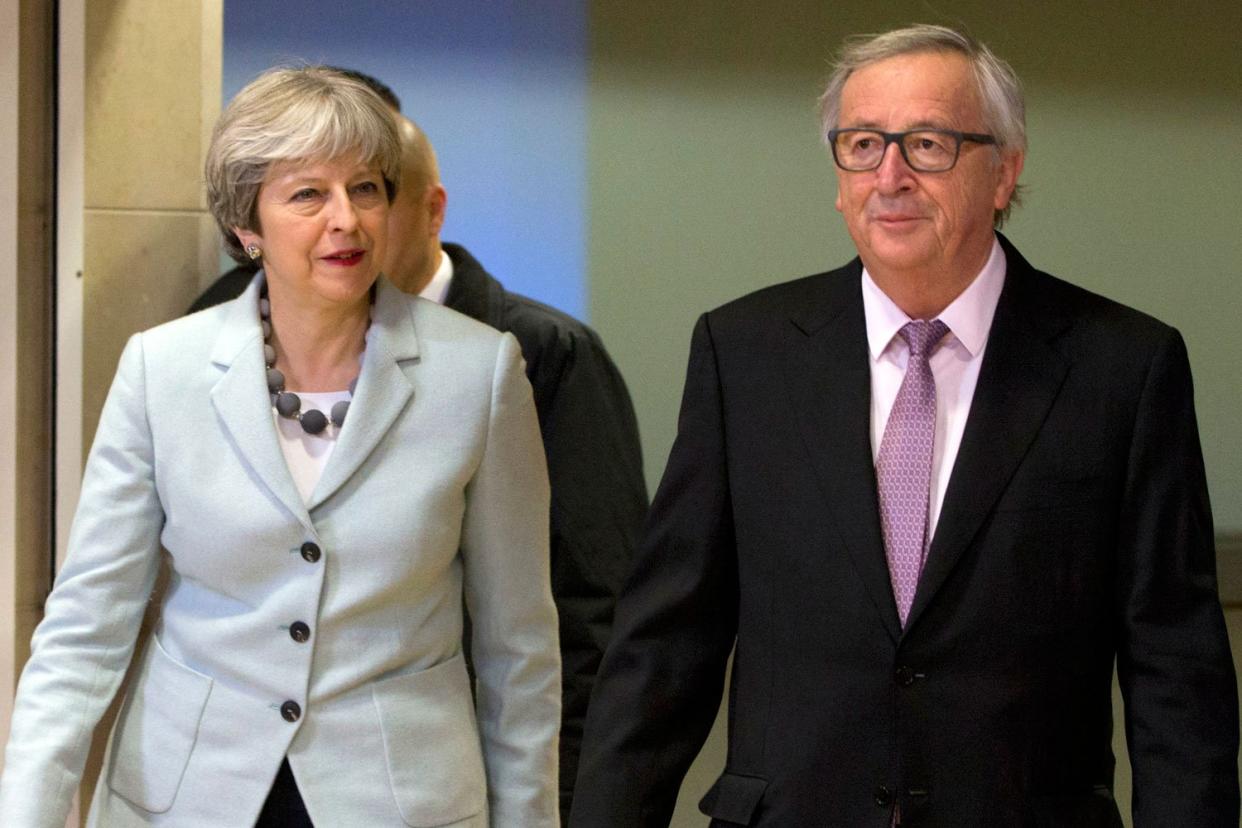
930,497
586,418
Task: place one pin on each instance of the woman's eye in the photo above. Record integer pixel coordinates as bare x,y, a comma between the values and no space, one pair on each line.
366,187
304,194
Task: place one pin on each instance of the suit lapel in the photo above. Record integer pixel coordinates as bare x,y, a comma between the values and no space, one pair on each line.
830,381
1018,382
473,291
382,392
240,399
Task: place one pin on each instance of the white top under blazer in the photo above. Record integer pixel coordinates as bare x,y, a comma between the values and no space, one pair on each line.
436,488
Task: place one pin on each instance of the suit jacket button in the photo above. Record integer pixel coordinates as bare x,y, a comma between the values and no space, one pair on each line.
904,676
291,711
310,552
883,796
299,632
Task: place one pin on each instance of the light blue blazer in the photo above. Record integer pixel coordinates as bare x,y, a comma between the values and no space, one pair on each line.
440,453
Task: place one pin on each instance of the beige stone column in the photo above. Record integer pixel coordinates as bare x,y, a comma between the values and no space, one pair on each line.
27,83
151,94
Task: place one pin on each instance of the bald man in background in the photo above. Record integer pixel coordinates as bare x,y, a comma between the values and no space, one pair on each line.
590,433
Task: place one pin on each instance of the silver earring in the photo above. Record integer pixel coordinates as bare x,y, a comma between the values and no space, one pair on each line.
253,251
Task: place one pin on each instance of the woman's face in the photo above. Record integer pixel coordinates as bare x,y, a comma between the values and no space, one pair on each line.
322,230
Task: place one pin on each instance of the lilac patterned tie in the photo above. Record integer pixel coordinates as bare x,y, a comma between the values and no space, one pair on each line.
903,467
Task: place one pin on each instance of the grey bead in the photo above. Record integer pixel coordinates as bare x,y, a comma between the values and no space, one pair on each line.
339,410
267,329
275,381
265,307
287,404
269,354
313,421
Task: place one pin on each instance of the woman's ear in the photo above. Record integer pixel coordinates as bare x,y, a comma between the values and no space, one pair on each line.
250,242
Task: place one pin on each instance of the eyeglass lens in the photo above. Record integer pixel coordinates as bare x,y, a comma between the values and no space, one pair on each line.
926,151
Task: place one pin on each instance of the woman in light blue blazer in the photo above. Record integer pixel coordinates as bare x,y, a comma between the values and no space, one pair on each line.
329,467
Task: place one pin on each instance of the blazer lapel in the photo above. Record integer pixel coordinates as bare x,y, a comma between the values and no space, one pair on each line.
243,404
830,379
1018,382
382,392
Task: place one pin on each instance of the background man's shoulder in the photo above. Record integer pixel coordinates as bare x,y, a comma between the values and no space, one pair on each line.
549,337
545,328
229,286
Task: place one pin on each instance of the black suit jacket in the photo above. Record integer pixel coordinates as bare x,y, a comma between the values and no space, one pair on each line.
590,437
1075,530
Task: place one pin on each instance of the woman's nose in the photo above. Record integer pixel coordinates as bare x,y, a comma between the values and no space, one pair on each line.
343,215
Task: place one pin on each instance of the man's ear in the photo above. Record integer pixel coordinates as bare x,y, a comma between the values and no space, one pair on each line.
1010,168
437,203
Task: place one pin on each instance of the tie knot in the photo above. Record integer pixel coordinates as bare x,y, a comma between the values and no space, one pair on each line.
922,335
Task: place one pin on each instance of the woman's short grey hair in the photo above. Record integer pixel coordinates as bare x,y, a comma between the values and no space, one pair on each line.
1000,91
296,114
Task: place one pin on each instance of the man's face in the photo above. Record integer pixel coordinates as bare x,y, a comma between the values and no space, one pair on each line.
917,225
414,219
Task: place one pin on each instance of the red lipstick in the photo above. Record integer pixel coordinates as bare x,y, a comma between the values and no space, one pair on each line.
345,258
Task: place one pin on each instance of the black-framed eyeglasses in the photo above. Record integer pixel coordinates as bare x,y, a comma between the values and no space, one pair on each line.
925,150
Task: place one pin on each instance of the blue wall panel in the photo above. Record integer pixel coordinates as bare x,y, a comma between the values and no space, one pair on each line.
499,88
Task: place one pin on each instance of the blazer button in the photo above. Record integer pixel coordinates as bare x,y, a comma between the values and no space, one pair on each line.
310,552
904,676
291,711
299,632
883,796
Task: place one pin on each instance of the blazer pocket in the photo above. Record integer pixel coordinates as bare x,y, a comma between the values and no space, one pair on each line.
156,730
733,799
431,744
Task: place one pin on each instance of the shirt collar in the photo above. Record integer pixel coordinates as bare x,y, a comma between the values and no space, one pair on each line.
969,316
438,287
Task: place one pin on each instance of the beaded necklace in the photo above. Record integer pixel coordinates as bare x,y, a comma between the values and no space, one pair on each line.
286,403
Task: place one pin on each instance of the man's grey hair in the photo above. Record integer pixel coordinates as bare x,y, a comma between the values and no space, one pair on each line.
1000,91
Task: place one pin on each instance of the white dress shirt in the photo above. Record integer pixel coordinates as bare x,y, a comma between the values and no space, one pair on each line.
955,364
437,289
307,454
